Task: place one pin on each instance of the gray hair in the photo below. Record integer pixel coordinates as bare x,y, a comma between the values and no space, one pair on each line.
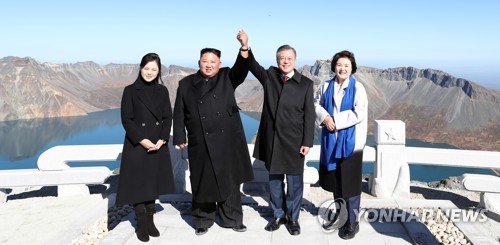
285,47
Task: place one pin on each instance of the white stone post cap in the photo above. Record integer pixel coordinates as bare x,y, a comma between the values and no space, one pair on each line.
390,132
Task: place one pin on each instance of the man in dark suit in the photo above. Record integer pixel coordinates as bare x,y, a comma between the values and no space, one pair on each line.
218,154
286,133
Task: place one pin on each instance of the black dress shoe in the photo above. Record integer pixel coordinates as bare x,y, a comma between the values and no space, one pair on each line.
200,231
275,224
240,228
350,231
293,228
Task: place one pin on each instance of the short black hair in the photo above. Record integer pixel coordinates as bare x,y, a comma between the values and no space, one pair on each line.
210,50
344,54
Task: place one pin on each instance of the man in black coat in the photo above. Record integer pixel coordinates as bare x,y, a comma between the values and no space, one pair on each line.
218,154
286,133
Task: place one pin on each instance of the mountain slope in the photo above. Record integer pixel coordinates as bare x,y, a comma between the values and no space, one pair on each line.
29,89
435,106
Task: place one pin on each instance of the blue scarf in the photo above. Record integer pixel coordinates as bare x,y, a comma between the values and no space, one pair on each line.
334,149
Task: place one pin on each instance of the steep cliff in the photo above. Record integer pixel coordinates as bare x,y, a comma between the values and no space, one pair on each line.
435,106
29,89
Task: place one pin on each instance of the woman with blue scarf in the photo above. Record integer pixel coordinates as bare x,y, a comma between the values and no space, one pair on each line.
341,108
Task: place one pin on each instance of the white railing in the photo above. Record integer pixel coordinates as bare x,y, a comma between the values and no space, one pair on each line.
57,157
391,177
53,169
453,157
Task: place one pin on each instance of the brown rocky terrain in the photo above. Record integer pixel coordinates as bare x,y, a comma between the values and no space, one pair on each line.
29,89
435,106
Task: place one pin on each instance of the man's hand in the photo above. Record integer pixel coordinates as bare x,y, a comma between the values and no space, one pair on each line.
243,39
329,123
304,150
181,146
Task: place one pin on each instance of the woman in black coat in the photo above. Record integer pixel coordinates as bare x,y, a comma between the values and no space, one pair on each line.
146,168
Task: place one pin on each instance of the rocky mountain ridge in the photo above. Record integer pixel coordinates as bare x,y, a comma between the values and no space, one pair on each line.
29,89
435,106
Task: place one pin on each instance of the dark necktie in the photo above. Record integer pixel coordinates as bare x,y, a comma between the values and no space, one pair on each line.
284,78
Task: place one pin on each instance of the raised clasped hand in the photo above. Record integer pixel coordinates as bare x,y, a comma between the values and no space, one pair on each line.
242,38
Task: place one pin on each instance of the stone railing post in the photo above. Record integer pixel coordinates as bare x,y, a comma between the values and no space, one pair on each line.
391,177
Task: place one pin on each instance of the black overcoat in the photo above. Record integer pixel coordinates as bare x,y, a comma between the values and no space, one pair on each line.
144,176
287,120
217,148
346,181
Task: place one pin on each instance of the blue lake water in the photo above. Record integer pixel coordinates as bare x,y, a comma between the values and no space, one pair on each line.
22,142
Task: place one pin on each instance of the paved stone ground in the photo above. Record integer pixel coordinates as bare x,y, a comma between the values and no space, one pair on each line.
35,215
175,226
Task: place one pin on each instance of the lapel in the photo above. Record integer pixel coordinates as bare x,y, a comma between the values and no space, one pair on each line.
145,99
296,77
202,87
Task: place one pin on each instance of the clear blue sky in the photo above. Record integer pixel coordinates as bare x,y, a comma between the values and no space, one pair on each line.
456,36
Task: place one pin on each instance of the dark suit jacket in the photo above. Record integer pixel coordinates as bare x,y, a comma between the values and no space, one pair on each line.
287,121
144,176
217,148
